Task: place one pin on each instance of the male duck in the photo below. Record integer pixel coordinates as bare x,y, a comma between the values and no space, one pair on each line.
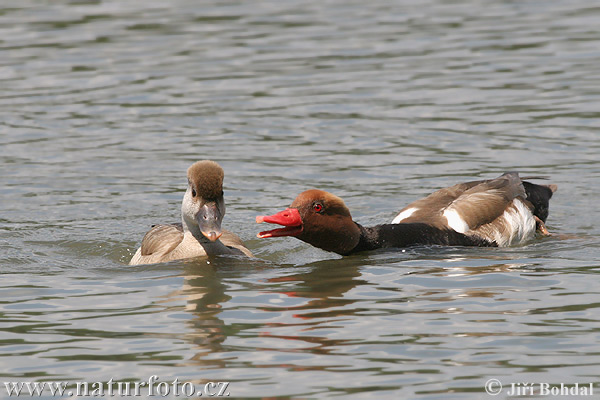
497,212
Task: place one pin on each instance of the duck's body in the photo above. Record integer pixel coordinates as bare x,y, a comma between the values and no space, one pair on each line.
497,212
170,242
200,233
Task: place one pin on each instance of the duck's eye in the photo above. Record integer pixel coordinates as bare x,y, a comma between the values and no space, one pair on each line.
318,207
193,192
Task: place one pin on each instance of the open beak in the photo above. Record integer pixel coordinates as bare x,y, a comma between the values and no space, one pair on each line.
290,218
209,220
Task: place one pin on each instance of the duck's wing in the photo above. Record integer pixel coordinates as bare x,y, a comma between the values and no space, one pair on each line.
465,206
429,209
486,201
233,241
161,239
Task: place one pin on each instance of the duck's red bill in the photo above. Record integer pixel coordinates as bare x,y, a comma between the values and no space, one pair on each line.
290,218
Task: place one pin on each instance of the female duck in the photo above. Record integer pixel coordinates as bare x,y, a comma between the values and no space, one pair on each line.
200,233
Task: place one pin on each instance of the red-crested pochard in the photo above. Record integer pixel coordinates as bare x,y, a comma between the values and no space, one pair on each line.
200,233
496,212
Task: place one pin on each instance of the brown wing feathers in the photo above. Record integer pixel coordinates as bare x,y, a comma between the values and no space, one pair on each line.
488,200
476,202
161,239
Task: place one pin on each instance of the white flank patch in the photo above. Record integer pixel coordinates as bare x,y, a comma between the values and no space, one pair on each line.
455,221
521,222
404,214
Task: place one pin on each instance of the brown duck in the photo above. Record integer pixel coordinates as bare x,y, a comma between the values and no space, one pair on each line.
200,233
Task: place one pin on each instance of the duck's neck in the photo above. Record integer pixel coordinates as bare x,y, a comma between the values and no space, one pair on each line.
211,248
405,235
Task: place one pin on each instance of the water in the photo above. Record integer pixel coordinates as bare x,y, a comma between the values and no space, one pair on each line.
104,104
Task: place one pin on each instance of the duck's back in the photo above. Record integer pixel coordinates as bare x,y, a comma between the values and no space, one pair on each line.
499,210
158,243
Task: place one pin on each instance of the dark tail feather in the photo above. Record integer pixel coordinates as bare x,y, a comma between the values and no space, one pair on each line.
539,196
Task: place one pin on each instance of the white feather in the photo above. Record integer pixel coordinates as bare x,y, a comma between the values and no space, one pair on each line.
455,221
404,214
521,223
